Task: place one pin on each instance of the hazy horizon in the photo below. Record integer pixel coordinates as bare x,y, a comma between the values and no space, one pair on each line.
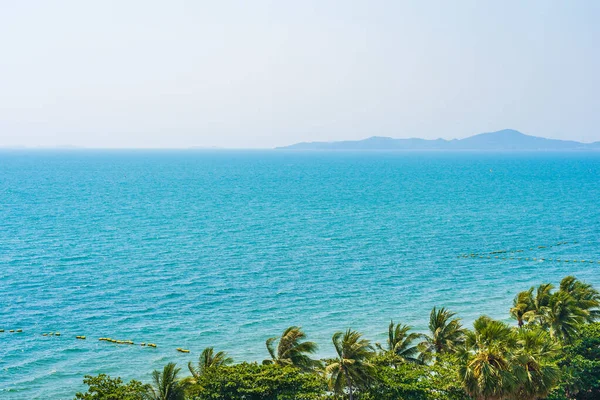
137,74
71,147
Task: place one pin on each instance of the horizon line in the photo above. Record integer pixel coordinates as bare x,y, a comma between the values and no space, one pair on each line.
278,147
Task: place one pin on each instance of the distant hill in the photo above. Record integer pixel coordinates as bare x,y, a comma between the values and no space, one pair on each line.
507,139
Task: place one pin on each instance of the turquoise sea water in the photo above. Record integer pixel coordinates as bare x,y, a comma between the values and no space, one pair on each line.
193,249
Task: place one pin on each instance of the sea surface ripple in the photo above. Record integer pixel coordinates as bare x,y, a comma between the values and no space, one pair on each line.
227,248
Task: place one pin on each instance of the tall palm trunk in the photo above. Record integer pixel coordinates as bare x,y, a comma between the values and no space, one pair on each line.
350,395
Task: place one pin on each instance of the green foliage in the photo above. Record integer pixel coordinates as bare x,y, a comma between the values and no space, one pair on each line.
405,381
412,381
444,378
580,363
258,382
103,387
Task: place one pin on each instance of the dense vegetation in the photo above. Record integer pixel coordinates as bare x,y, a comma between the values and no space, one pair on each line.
553,352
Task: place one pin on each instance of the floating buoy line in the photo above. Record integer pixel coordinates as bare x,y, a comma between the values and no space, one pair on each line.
516,255
534,259
102,339
499,252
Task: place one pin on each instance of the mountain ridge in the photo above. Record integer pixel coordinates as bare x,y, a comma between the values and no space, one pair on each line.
506,139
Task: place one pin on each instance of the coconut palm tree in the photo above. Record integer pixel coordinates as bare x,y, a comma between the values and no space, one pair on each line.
560,312
400,343
563,316
523,304
292,349
209,359
352,367
446,334
166,385
540,304
586,297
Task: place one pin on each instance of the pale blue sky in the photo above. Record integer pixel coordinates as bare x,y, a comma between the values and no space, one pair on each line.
267,73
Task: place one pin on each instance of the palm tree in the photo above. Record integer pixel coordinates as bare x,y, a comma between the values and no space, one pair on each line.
208,359
501,362
488,333
486,370
563,317
586,297
400,343
166,385
560,312
292,349
486,376
352,367
523,305
533,365
446,334
540,304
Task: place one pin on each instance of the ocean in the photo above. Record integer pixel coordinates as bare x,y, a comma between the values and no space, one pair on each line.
227,248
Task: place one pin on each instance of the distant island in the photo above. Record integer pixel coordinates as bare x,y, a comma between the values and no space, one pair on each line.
505,140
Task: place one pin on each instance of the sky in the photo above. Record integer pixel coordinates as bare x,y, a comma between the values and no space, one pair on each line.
259,74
